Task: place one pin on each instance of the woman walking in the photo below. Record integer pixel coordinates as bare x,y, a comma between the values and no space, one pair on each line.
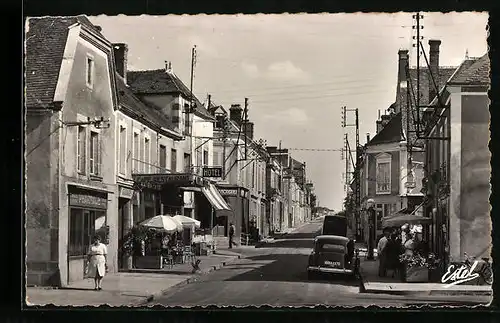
97,261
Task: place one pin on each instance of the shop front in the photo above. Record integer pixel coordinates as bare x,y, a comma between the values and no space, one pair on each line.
237,199
87,217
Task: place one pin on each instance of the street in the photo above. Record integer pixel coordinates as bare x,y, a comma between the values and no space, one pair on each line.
275,275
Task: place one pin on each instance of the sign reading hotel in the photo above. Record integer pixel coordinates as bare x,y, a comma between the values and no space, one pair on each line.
212,171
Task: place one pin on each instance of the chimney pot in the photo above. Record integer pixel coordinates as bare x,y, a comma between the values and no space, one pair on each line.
403,63
235,113
367,137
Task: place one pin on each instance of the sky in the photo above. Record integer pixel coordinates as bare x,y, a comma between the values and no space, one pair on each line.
297,70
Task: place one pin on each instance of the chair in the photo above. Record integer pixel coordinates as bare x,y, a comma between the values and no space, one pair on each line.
188,254
168,259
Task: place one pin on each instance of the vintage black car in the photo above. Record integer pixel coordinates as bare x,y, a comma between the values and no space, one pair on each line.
333,254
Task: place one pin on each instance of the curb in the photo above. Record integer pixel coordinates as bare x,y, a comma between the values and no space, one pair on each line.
432,292
187,281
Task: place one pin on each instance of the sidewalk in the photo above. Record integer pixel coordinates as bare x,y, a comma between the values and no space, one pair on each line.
372,283
134,288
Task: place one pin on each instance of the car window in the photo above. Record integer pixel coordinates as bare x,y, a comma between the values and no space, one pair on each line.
331,247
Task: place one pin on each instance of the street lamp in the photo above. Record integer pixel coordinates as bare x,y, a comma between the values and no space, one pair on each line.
371,226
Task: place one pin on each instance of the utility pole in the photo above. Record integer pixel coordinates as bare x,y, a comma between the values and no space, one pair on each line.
245,120
191,107
281,187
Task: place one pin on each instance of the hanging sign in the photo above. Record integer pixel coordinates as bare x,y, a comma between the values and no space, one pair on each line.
212,172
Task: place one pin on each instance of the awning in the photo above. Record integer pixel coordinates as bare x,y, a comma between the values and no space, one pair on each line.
214,197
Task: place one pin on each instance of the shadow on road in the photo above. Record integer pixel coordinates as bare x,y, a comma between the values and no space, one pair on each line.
285,268
298,235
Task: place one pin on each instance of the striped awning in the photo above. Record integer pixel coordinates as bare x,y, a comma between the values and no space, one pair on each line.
215,198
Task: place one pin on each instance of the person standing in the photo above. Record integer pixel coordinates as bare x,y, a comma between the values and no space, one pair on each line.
97,261
382,254
231,235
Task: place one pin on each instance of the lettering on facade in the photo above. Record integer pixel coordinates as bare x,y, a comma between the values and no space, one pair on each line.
228,192
212,172
86,200
156,181
126,192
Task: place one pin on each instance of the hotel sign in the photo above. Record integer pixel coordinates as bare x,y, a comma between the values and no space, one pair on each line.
212,172
156,181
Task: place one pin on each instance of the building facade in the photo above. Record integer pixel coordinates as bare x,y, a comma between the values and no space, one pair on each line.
71,173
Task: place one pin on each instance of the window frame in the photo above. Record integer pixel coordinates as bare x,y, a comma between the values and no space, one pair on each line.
122,169
173,156
136,155
96,161
205,158
85,224
90,71
383,158
147,156
81,168
160,153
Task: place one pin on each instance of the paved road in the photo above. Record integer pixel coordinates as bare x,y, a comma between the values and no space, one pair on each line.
276,275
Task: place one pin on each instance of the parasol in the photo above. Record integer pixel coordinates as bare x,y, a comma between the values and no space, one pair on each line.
163,222
185,220
401,219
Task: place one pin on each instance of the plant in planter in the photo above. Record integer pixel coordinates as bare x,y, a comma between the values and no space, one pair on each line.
418,267
135,236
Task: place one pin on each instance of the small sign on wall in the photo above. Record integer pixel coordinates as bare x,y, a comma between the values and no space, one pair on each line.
212,172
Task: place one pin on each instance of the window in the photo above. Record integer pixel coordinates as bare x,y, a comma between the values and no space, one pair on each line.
135,159
217,158
187,162
94,152
122,150
81,149
205,157
330,247
146,155
163,158
253,174
199,155
383,174
90,72
81,229
173,160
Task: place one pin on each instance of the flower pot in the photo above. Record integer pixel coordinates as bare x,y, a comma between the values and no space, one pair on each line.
417,274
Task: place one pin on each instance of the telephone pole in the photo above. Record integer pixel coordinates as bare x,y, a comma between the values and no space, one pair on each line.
189,127
245,120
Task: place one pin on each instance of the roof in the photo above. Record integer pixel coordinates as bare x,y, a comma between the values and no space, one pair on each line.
474,72
444,75
392,132
332,238
45,43
131,104
160,81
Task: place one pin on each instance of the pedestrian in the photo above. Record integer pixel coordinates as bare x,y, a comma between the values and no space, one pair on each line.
392,254
97,261
382,244
231,235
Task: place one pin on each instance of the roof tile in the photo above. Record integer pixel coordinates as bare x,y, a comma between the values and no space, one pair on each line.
45,43
476,72
390,133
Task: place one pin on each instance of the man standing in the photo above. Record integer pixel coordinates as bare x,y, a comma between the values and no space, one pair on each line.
382,253
231,235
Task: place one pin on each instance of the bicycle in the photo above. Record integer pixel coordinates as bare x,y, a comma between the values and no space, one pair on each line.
485,271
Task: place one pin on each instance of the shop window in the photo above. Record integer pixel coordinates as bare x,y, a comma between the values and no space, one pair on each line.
94,152
82,227
81,149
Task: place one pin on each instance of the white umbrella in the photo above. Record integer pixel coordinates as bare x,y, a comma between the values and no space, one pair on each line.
187,220
163,222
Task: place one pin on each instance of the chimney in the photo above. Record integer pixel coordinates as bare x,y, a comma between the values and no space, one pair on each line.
248,127
121,52
385,120
367,137
168,67
402,65
379,126
434,67
235,113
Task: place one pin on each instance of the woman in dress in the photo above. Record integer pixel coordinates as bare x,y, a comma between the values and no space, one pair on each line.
97,261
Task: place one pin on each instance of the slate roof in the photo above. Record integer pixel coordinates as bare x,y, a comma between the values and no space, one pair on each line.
135,108
392,132
160,82
477,72
45,43
444,75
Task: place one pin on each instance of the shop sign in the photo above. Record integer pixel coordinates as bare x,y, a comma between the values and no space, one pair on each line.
212,172
126,192
156,181
85,200
228,192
